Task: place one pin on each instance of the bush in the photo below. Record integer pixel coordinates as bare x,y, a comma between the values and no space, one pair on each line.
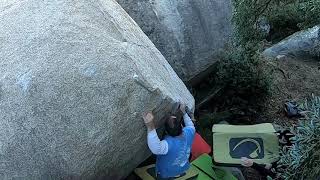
242,72
245,16
284,16
302,160
245,83
289,17
240,83
245,73
308,13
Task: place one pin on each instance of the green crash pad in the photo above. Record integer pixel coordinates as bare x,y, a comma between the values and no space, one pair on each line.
231,142
208,172
201,169
148,173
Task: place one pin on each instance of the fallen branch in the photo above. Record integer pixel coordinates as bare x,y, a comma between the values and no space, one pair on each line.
211,95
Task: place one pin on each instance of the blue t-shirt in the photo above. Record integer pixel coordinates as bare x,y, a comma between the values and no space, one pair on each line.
176,161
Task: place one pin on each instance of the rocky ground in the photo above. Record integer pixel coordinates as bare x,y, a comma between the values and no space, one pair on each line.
294,80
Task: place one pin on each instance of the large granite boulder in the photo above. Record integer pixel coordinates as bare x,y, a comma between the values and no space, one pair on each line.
75,77
301,44
191,34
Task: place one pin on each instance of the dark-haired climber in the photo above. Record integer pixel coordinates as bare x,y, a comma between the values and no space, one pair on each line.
173,152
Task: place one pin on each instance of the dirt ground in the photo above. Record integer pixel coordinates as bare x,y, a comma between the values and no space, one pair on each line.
294,80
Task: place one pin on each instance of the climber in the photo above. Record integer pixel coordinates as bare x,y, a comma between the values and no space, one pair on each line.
173,152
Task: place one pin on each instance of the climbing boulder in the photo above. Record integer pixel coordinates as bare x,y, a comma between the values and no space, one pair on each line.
75,77
192,35
301,44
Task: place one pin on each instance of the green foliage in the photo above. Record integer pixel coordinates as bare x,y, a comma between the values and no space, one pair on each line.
284,16
245,16
302,161
288,17
284,19
243,71
240,83
307,13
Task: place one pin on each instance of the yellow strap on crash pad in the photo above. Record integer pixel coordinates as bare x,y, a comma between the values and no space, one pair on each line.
143,174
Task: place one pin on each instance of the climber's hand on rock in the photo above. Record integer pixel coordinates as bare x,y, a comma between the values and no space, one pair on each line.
182,108
148,120
148,117
190,113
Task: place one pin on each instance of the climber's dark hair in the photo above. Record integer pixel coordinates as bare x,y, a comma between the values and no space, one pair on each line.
173,125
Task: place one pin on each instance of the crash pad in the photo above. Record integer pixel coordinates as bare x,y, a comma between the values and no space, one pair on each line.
207,171
149,173
258,142
201,169
199,147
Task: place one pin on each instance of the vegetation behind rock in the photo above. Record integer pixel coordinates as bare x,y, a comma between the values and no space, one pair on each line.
242,81
284,17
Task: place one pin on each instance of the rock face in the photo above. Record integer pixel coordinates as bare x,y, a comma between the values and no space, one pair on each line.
191,34
75,77
300,44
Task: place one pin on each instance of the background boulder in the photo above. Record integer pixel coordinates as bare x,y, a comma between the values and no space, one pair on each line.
301,44
75,77
192,35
